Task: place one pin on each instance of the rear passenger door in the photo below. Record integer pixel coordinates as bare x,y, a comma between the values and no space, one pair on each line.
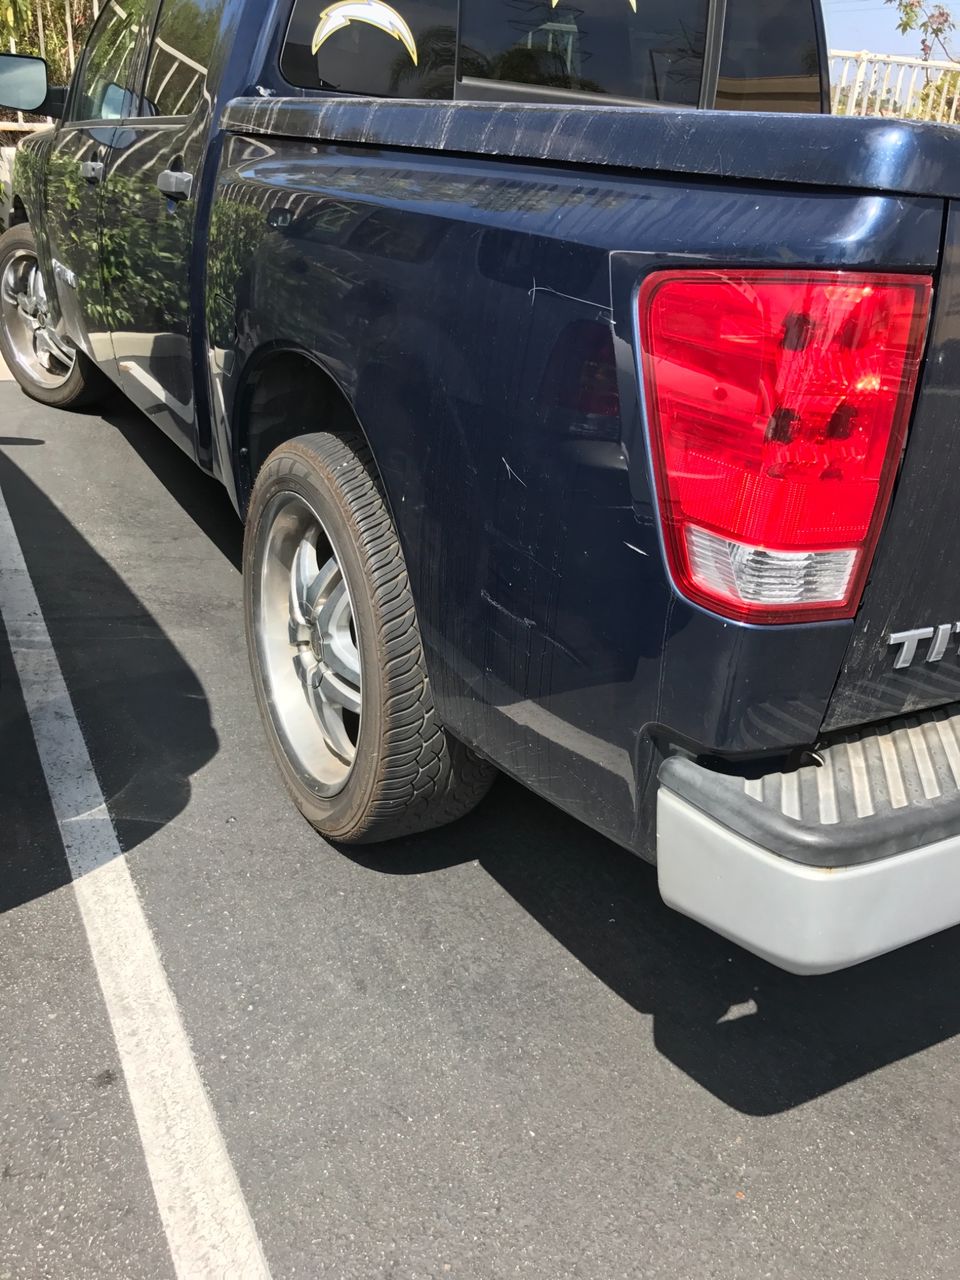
149,215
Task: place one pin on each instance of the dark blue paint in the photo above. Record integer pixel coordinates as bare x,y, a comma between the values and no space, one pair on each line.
921,531
556,645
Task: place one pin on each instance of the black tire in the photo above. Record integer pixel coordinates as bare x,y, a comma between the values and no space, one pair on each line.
409,774
85,384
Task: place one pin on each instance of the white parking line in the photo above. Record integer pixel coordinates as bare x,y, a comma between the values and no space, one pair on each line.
203,1210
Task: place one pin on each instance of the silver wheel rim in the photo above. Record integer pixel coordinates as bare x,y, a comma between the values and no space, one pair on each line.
307,644
37,350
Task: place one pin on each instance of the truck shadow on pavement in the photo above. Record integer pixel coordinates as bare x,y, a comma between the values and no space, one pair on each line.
142,710
760,1040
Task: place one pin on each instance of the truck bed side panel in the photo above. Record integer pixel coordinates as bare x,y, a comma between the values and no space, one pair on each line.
440,292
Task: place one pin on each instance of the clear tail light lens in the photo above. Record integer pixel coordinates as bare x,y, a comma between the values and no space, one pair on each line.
778,404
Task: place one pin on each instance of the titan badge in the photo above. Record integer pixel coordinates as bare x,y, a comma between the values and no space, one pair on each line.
909,640
374,13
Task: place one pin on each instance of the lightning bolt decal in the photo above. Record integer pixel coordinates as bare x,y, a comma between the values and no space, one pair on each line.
374,13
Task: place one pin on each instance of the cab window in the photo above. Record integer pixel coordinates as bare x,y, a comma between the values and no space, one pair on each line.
406,49
180,56
771,57
627,50
104,89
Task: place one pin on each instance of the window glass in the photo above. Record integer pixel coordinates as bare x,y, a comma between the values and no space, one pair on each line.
104,90
771,59
648,50
180,56
402,50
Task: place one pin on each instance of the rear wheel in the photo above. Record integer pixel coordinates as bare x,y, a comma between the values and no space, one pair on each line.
47,367
336,652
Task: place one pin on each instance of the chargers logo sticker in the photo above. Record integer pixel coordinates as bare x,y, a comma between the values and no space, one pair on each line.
374,13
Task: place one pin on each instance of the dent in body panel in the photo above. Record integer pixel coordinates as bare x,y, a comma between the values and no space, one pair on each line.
465,308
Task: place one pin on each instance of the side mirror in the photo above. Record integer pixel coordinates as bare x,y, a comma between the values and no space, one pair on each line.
23,82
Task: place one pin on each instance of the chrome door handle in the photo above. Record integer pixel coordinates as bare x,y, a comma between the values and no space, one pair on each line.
175,184
91,170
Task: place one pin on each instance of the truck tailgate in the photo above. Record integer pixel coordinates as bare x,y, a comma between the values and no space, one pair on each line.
915,582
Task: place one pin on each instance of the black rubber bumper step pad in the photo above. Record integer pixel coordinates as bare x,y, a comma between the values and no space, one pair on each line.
876,793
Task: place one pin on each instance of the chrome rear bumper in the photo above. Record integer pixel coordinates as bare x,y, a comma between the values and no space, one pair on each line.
829,864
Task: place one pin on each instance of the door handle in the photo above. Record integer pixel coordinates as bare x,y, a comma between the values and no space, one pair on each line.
92,170
175,184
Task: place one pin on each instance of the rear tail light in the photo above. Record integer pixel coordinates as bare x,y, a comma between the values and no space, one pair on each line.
778,405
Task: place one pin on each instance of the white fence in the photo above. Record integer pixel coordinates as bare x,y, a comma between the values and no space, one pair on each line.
877,84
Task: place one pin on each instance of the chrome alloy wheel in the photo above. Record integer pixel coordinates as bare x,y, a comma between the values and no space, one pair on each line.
38,350
307,644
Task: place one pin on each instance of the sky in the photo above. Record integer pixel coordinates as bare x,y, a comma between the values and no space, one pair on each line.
868,24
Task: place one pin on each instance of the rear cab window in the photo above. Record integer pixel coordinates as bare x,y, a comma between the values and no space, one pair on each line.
405,50
760,55
771,59
600,48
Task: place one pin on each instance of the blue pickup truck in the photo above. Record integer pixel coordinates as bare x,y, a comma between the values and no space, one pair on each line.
590,397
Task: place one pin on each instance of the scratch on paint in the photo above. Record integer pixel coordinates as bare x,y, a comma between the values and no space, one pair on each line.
530,626
502,608
636,549
511,473
586,302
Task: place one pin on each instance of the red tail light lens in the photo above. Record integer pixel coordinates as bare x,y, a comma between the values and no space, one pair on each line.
778,404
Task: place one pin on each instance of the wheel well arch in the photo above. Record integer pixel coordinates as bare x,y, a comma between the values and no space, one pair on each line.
278,383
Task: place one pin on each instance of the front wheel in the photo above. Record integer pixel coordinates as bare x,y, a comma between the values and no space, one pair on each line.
48,368
336,653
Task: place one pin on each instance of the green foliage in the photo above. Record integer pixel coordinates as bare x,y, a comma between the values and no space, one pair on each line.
47,28
50,28
876,104
14,14
936,99
933,22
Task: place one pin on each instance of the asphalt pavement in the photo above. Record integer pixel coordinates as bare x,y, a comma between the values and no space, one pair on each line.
485,1053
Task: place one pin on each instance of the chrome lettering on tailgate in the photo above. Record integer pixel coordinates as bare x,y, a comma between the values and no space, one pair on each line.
908,641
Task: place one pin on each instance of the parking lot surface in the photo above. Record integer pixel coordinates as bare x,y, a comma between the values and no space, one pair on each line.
489,1052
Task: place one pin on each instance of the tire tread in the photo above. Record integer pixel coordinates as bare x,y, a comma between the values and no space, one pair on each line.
424,777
